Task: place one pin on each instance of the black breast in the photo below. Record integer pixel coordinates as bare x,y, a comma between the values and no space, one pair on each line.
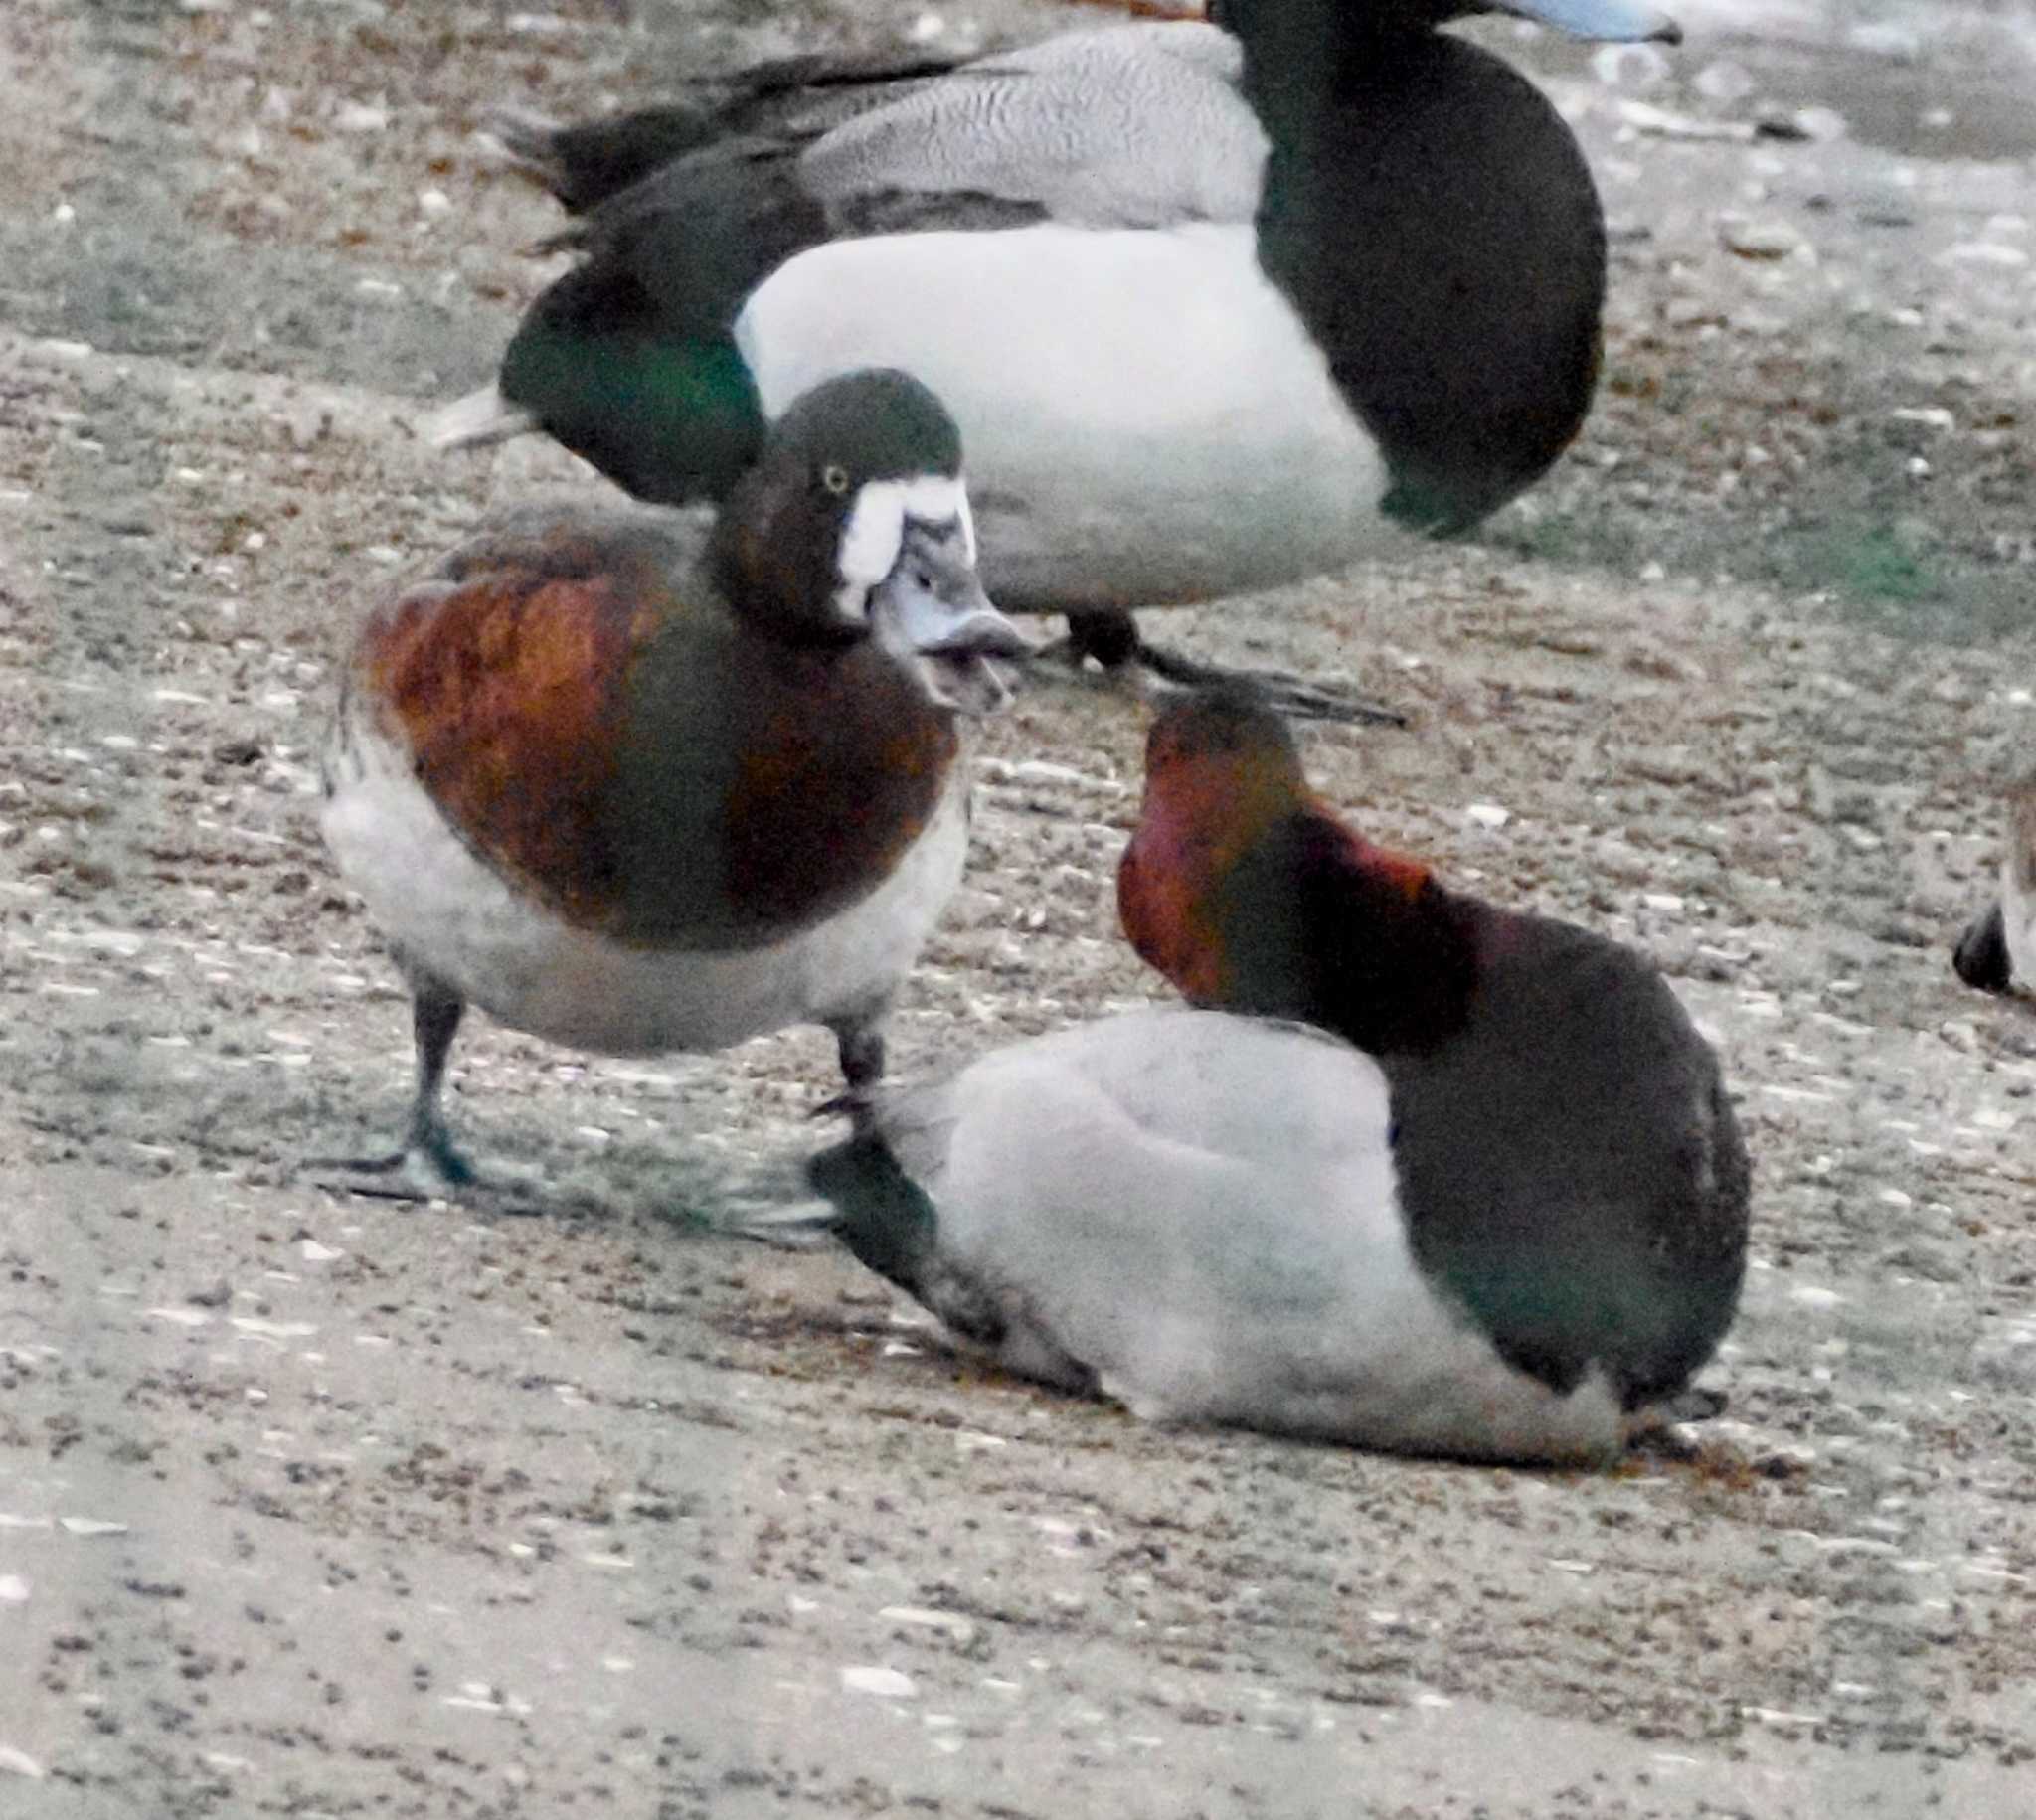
1436,225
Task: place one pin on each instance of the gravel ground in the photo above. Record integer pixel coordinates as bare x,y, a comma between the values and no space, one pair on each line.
313,1506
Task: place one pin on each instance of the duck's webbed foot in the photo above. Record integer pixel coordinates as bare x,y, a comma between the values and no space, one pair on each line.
427,1166
860,1044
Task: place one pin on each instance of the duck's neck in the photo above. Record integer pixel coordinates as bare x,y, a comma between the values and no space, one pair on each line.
1305,58
1291,915
1388,955
776,569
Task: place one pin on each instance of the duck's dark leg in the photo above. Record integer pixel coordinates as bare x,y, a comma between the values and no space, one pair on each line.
861,1048
779,1218
428,1165
1111,636
859,1041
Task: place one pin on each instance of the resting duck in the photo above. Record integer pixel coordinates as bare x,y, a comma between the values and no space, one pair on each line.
1489,1200
1997,953
630,799
1213,307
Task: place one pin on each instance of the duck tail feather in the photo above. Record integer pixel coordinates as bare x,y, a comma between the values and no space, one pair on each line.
799,1226
478,420
880,1212
527,139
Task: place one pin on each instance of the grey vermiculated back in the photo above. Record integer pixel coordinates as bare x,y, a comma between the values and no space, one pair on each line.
1066,125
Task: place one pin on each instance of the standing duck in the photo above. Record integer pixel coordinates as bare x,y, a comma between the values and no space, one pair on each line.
1484,1197
1212,306
631,799
1997,953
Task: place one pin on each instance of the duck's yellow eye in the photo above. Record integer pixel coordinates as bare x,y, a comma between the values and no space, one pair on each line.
834,478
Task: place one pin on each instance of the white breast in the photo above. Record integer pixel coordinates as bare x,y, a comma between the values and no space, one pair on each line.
1144,416
1203,1210
433,896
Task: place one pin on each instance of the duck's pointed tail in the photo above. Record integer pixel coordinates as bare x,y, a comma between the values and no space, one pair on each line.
479,418
879,1212
528,141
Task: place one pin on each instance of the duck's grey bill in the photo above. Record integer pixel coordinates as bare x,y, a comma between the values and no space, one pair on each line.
936,598
1611,21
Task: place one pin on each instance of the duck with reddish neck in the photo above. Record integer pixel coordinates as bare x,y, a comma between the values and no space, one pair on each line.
1240,887
1567,1159
1412,1171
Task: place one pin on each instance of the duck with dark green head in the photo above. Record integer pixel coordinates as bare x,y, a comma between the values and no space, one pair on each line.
1216,305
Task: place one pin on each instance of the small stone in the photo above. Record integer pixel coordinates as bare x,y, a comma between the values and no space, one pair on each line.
1635,68
884,1683
1819,125
1758,240
1987,253
1933,1263
1781,1467
1723,80
923,1618
1645,117
309,425
1881,40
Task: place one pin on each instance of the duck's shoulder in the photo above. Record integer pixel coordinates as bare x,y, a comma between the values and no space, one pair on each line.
503,673
552,603
1576,982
